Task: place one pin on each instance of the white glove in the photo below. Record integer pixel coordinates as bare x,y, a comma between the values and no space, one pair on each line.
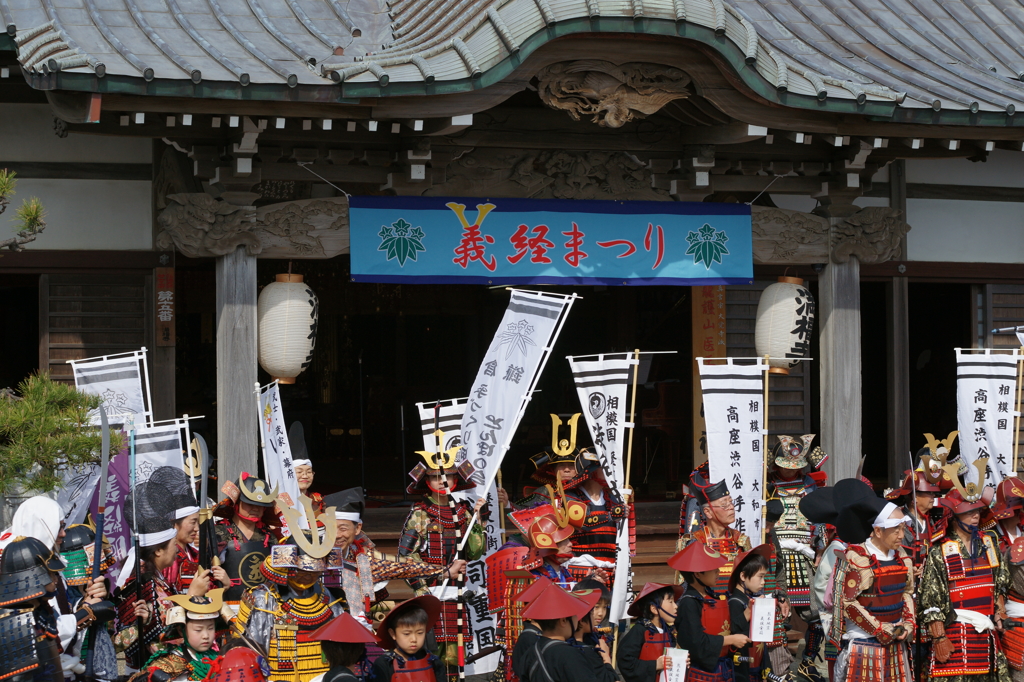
801,547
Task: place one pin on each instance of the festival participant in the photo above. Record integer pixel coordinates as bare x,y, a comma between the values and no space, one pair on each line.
41,518
190,638
605,511
718,514
916,495
76,551
595,627
176,484
788,482
747,583
303,466
279,615
549,535
702,616
875,590
363,566
548,657
245,532
343,641
559,470
238,664
29,575
641,655
1008,511
962,593
150,515
403,633
433,531
779,656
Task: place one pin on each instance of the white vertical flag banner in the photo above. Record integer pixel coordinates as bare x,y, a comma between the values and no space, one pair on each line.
79,483
155,447
501,391
277,452
734,415
121,381
986,390
602,388
449,420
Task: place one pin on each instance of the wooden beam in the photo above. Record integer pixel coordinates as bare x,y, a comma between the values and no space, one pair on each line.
921,190
897,328
54,170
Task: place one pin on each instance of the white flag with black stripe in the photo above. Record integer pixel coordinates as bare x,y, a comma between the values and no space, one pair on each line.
155,447
602,388
986,393
449,420
121,382
734,416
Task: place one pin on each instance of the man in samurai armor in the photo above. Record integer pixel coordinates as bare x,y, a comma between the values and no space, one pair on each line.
245,532
143,595
916,495
714,513
303,466
563,468
875,585
29,631
364,574
797,536
433,531
41,518
193,626
1008,512
780,658
280,615
76,551
177,485
963,590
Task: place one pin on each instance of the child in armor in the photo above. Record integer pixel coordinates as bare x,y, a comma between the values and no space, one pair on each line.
403,633
641,654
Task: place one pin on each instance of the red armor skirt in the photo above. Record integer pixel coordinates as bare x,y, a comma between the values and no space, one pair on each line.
1013,643
871,661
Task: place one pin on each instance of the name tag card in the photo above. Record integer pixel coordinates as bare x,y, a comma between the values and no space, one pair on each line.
762,619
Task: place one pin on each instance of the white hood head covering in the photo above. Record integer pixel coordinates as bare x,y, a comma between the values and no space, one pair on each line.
38,517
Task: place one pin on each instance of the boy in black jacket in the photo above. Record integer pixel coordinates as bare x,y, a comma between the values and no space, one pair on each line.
548,657
403,632
746,583
343,642
641,653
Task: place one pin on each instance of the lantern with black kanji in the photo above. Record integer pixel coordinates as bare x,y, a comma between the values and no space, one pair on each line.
286,316
785,320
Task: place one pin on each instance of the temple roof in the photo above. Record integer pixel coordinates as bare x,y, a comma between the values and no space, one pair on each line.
856,56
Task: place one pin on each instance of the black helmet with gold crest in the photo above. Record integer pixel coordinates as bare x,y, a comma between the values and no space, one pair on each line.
440,461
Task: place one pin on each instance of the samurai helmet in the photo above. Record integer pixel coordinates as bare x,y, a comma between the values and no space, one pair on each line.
913,481
77,551
239,664
563,450
27,570
704,492
256,491
195,608
544,526
970,491
320,541
934,457
790,453
1009,498
441,461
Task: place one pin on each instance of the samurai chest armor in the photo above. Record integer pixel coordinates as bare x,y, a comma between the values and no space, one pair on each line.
1013,627
714,617
884,599
242,564
972,587
151,594
187,565
655,643
728,546
441,537
28,647
421,670
597,536
291,654
794,526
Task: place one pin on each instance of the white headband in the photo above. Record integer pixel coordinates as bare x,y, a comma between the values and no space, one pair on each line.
348,516
158,538
302,462
185,511
883,520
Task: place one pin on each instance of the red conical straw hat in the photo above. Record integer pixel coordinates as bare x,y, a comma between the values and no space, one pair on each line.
695,558
534,589
554,602
344,628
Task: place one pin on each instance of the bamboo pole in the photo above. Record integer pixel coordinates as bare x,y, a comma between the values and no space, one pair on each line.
632,421
1016,430
501,509
764,452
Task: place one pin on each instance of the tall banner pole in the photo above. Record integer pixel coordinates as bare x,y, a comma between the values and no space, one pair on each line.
1016,417
764,450
627,492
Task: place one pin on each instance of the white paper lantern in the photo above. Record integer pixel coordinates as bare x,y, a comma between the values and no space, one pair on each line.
785,320
286,315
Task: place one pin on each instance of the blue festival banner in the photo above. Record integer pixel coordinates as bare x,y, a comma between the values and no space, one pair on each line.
549,241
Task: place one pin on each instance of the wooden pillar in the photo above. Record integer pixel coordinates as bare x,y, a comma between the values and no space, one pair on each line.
236,365
897,323
841,415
